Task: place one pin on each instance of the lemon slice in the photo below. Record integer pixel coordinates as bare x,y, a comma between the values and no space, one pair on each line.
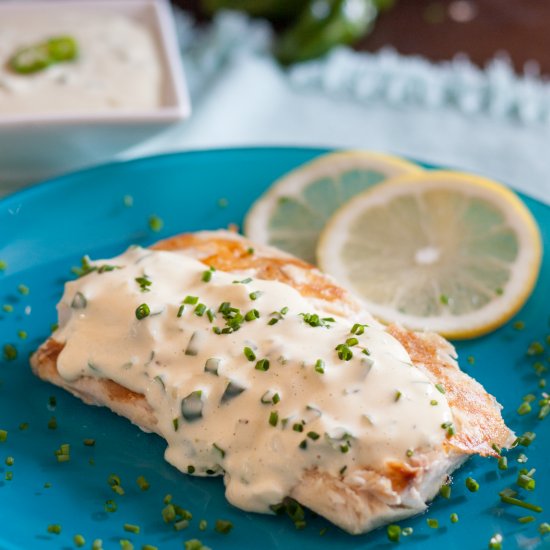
442,251
295,209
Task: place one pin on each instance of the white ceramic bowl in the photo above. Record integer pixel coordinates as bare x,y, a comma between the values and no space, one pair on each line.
36,146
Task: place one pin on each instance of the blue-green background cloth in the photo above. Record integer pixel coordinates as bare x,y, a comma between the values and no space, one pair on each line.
453,114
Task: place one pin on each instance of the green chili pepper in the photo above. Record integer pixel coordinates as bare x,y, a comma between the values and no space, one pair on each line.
272,9
40,56
323,25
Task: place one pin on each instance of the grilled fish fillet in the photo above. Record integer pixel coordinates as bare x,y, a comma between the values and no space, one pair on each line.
358,497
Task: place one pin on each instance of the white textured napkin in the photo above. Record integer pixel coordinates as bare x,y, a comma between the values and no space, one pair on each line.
452,114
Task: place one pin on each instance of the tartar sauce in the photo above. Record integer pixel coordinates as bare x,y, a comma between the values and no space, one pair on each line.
117,67
244,377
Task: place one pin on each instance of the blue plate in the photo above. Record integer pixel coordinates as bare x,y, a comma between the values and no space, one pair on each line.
46,229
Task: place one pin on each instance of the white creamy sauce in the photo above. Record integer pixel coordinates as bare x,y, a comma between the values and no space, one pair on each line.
358,413
117,66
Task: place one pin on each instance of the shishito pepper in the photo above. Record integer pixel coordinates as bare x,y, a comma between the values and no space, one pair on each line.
40,56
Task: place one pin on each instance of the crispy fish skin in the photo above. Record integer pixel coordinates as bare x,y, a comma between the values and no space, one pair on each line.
360,499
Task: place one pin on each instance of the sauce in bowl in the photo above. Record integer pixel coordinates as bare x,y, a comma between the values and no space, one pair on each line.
117,67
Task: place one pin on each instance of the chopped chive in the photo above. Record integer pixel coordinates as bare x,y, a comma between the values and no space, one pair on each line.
313,320
9,461
199,310
433,402
298,427
169,513
210,314
525,440
273,418
508,497
79,540
319,366
432,523
444,299
10,352
526,519
142,483
409,452
502,463
407,531
190,469
8,308
393,532
144,283
526,482
262,364
543,412
23,289
496,542
207,276
155,223
22,334
255,295
344,353
249,354
398,395
252,315
191,300
440,388
535,348
303,444
544,528
142,311
52,423
223,526
472,485
125,544
524,408
276,398
445,491
449,427
54,528
352,342
110,506
176,423
180,311
250,251
8,476
181,524
97,544
3,436
358,329
3,265
313,435
454,517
